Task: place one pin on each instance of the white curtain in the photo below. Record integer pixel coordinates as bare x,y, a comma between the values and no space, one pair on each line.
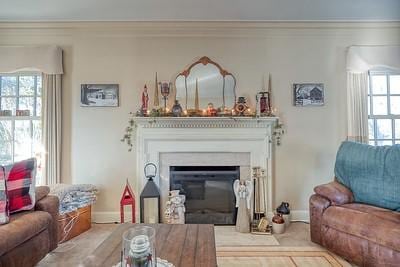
52,127
357,107
46,59
361,59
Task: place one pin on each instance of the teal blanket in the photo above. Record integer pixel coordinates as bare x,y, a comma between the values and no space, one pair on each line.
371,172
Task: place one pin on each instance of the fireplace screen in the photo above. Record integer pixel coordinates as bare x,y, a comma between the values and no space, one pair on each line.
209,192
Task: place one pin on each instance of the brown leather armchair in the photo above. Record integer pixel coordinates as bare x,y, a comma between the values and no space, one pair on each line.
30,235
363,234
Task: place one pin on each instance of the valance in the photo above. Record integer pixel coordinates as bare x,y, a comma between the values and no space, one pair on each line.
364,58
46,59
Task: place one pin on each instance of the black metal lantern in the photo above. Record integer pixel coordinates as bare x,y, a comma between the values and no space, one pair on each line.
150,199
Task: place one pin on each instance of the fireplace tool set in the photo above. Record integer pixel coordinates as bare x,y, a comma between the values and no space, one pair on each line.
260,224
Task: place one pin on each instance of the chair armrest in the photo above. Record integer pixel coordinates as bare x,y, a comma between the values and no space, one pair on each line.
51,204
318,204
41,192
335,192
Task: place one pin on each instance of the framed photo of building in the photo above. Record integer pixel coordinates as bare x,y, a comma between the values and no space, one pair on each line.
308,94
99,95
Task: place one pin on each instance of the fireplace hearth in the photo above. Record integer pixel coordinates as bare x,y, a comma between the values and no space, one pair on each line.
209,192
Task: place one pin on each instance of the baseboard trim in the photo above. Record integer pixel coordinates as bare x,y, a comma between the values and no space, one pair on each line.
113,217
110,217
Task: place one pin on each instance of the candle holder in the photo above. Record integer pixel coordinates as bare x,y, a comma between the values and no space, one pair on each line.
165,89
138,247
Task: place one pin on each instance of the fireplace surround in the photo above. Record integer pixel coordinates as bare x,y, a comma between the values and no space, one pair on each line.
222,141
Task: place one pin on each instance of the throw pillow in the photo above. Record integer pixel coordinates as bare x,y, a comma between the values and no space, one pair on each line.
4,213
20,178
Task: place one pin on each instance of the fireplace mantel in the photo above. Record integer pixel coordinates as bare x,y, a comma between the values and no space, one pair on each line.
204,140
205,122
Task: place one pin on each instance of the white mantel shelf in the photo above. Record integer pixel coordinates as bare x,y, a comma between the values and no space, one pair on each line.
205,122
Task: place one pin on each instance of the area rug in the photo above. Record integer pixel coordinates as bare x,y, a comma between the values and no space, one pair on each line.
227,236
277,256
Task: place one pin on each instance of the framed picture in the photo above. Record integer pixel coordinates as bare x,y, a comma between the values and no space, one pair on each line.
308,94
99,95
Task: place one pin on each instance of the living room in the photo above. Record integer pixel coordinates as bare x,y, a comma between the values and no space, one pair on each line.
257,133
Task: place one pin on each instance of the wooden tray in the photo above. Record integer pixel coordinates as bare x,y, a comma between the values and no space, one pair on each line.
74,223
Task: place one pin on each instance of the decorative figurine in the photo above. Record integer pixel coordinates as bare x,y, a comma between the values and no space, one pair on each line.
241,107
177,109
211,111
243,192
165,89
145,101
175,208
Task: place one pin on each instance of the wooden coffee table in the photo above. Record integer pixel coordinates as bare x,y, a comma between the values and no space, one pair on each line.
184,245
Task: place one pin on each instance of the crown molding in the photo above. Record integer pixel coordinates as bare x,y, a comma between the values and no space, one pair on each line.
106,25
202,29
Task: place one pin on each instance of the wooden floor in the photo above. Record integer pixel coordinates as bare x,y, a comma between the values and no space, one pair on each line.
293,248
278,256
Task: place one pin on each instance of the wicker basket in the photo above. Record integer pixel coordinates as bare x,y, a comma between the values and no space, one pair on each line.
74,223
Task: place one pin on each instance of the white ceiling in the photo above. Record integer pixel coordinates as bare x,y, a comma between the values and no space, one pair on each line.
175,10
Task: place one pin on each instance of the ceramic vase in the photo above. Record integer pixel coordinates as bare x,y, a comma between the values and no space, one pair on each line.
278,224
278,228
287,218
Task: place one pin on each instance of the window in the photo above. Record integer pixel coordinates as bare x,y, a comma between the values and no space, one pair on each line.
20,118
384,108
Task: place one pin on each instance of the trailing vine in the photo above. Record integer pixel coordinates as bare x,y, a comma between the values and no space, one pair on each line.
129,131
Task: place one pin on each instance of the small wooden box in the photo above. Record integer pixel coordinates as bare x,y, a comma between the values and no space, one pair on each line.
74,223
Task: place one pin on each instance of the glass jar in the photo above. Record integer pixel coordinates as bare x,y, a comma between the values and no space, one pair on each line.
138,247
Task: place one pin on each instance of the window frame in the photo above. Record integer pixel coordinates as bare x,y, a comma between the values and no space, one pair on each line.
389,115
33,117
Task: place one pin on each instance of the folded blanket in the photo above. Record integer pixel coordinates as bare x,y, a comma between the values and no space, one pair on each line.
372,173
73,197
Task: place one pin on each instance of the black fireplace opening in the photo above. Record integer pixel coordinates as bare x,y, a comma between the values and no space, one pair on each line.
209,192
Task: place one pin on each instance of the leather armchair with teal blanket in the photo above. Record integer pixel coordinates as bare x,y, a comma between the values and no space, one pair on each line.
357,215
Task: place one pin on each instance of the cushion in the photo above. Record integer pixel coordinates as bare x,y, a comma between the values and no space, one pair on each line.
20,178
4,212
372,173
22,227
370,223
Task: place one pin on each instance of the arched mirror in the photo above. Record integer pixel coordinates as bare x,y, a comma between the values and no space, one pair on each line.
205,82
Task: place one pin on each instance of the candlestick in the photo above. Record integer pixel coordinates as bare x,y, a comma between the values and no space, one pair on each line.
156,101
196,99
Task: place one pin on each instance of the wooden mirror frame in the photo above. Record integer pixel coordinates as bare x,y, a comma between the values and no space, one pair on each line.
205,61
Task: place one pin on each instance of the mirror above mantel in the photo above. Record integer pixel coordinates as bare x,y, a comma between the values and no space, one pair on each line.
204,82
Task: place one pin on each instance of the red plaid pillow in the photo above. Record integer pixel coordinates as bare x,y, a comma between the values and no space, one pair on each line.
4,213
20,178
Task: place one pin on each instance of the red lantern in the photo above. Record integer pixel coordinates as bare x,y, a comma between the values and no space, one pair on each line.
128,198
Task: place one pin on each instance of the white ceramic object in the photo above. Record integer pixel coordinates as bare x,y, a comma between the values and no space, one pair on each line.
287,218
278,228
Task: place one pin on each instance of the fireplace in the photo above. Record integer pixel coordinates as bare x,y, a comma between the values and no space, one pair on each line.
209,192
220,141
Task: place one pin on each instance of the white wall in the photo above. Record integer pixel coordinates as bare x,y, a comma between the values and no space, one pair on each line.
130,53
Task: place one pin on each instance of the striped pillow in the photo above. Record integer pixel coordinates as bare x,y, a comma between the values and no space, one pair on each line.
4,213
20,178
